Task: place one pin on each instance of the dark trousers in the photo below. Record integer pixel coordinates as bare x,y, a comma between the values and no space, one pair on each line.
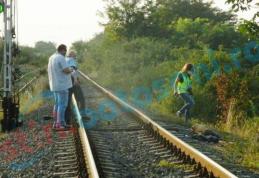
68,112
188,104
79,96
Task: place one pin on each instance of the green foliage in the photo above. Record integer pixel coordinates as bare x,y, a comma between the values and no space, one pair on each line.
145,42
200,32
193,24
225,35
197,26
28,62
151,18
125,17
236,95
80,48
37,56
163,39
249,28
2,7
242,5
44,48
141,61
190,33
244,146
124,58
253,84
27,102
29,58
203,94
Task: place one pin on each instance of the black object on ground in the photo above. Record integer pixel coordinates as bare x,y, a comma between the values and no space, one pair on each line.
47,117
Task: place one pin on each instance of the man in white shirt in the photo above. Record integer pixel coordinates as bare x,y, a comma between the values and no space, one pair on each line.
59,81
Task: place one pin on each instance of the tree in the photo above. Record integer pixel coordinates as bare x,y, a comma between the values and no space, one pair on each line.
190,32
132,18
242,5
126,18
225,35
45,48
80,47
249,28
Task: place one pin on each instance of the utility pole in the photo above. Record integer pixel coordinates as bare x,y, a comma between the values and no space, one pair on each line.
10,105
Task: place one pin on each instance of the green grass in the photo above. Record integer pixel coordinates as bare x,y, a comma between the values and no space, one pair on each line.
167,164
27,102
242,144
116,68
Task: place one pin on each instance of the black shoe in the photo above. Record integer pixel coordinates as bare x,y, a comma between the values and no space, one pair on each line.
47,117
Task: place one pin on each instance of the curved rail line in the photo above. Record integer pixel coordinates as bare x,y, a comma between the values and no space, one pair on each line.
88,156
72,152
20,90
205,164
27,85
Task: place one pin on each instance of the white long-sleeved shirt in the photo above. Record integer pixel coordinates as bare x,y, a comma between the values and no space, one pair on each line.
58,80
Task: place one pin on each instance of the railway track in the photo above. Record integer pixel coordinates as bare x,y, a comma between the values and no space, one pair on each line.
127,143
111,139
68,162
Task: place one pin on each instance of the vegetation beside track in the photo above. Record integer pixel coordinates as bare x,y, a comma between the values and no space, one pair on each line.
30,62
147,43
33,99
143,45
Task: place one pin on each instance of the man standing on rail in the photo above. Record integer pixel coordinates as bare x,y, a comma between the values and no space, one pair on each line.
59,81
71,62
183,88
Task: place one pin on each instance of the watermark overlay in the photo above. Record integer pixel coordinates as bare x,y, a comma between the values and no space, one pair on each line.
143,96
24,142
107,110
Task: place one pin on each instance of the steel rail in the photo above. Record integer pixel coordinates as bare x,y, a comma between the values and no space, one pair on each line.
90,163
28,73
209,164
27,84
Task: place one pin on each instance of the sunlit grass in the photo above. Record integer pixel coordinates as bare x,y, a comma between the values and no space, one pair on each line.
242,144
168,164
29,101
125,72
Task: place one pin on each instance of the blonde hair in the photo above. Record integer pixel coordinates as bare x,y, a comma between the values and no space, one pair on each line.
72,53
187,67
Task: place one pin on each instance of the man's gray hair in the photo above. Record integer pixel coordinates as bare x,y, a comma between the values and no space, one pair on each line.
72,53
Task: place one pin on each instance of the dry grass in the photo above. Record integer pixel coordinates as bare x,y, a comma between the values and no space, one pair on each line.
32,100
242,143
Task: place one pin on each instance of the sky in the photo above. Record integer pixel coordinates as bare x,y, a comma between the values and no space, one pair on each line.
64,21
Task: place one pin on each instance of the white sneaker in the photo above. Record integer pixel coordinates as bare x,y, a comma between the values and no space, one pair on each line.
54,125
178,113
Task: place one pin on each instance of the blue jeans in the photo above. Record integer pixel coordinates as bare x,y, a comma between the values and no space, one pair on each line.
188,104
61,100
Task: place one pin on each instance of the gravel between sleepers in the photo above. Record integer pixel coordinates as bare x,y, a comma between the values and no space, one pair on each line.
27,151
